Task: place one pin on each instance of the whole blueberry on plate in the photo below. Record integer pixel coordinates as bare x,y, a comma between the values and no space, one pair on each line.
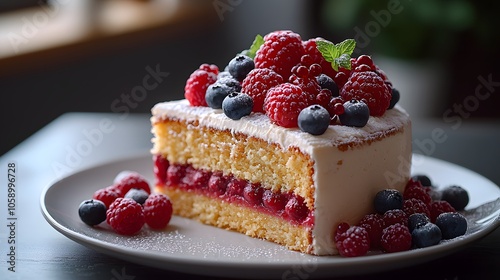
92,212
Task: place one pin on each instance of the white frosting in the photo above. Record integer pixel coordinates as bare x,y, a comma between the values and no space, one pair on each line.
345,181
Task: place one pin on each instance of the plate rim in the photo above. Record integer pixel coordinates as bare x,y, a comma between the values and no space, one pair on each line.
213,266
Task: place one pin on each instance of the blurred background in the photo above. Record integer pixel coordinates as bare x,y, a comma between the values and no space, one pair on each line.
60,56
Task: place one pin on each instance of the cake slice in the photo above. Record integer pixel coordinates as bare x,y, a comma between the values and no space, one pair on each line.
275,183
292,139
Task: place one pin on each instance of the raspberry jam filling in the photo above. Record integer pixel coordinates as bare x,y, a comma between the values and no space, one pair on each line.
288,206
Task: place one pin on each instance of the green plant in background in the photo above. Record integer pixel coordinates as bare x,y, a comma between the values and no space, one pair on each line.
420,28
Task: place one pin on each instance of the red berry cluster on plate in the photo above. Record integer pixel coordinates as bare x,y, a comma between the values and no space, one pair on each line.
306,84
420,217
127,205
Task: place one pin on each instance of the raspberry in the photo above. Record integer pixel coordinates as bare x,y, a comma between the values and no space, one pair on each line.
395,216
198,82
235,187
257,83
316,57
439,207
353,242
125,216
396,238
369,86
415,190
280,52
413,205
107,195
157,211
306,83
132,181
283,104
363,60
374,224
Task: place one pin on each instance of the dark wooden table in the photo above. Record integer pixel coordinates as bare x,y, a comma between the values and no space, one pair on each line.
43,253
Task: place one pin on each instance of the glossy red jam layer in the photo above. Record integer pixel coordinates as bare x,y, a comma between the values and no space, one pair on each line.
288,206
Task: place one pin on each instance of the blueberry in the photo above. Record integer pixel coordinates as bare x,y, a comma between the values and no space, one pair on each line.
240,66
388,199
223,74
314,119
423,179
325,81
215,95
452,224
426,235
139,195
92,212
356,114
417,220
231,82
237,105
456,197
394,98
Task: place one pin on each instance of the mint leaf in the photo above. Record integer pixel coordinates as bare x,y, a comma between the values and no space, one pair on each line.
328,50
257,42
343,61
347,46
338,54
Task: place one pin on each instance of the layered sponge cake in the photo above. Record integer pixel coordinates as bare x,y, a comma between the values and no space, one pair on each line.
252,171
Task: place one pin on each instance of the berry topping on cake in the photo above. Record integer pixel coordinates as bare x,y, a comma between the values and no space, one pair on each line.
396,238
237,105
388,199
198,82
353,242
451,224
257,83
157,211
355,114
125,216
283,104
215,95
280,52
92,212
240,66
325,82
426,235
456,196
311,49
314,120
367,85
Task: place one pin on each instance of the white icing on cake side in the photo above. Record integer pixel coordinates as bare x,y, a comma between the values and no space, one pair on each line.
350,164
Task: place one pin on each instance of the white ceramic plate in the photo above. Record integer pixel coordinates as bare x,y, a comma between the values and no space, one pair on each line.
190,247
